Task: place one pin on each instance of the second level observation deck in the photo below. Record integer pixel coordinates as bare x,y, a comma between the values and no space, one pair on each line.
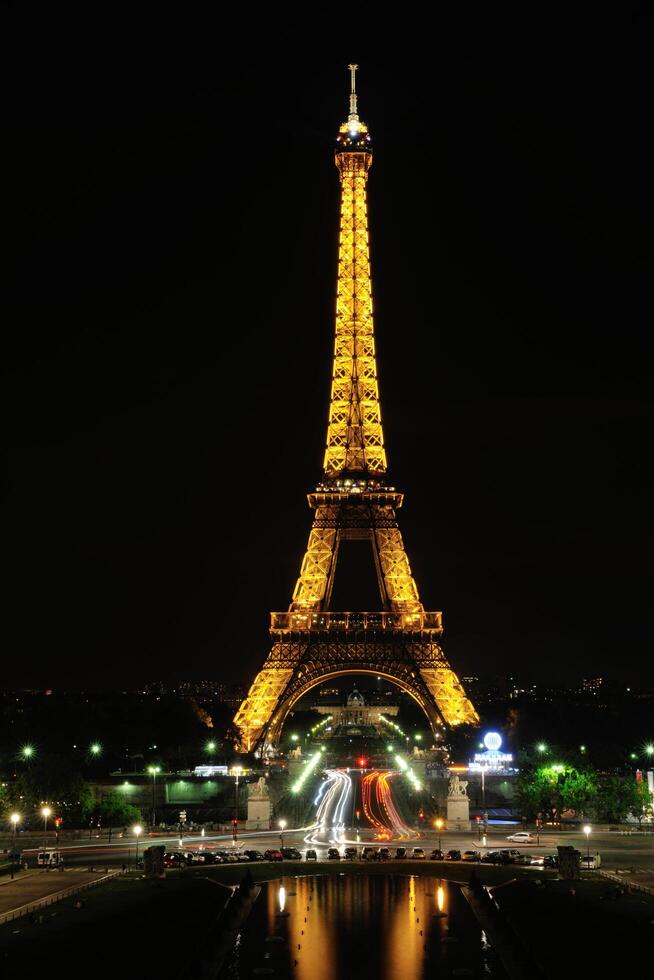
357,622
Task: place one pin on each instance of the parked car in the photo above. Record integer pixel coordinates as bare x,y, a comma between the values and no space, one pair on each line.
453,855
522,837
210,857
227,857
291,854
311,855
273,855
537,860
174,861
436,855
368,854
384,854
333,854
506,856
522,859
197,857
400,853
471,856
418,854
551,861
491,857
49,859
591,862
351,853
254,855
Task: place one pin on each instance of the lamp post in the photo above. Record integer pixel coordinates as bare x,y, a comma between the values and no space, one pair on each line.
439,826
587,831
236,772
15,819
153,770
137,829
282,824
45,813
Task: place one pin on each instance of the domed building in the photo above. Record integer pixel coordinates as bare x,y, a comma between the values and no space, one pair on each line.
355,711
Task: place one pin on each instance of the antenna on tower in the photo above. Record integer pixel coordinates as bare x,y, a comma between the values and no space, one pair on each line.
354,116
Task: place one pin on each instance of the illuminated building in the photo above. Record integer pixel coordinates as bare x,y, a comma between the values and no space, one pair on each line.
354,501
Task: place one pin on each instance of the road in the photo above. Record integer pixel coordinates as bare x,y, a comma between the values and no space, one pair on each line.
334,826
617,851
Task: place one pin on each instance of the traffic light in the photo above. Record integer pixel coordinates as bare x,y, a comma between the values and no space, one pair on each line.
362,762
235,823
358,814
57,822
421,814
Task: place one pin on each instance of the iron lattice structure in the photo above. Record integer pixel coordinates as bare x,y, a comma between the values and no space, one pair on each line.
310,642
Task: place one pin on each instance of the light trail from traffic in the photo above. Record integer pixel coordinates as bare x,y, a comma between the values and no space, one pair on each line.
333,799
387,822
385,803
382,831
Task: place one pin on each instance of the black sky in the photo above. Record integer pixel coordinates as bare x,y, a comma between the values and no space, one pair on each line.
173,204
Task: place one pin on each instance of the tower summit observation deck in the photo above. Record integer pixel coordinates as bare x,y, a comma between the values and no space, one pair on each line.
310,642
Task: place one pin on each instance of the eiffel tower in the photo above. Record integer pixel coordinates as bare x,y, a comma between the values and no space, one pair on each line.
311,643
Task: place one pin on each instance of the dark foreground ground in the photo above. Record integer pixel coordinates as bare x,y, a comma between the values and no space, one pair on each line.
131,927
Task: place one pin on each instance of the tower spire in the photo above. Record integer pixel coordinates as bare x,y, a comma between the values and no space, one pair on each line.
354,115
355,440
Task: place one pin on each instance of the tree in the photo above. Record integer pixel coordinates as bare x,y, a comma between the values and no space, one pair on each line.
114,811
50,779
549,789
621,795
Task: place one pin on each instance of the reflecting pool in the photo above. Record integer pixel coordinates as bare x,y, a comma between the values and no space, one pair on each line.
351,927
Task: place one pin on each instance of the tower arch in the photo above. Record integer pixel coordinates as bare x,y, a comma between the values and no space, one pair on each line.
315,675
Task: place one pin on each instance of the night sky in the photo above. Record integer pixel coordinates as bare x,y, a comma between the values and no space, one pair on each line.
173,207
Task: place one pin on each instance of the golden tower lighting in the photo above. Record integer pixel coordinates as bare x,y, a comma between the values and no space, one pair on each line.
311,643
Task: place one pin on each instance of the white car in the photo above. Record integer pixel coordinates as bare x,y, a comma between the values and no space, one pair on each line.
591,862
522,837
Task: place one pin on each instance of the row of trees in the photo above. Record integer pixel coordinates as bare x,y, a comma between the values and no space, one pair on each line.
52,779
550,789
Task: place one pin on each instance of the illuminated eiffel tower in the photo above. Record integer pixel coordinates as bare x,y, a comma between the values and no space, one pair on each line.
310,643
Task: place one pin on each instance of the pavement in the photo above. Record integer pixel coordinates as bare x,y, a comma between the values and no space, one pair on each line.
33,886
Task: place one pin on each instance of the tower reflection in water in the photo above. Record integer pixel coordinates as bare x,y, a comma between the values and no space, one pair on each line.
347,927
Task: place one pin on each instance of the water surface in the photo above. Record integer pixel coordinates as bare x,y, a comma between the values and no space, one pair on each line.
342,927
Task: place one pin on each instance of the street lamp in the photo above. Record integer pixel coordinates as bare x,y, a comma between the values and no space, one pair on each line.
236,772
95,748
438,824
45,813
210,747
27,751
282,824
153,770
137,829
542,747
14,819
587,831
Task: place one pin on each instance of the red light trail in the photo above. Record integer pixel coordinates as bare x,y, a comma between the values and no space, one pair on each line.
386,822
